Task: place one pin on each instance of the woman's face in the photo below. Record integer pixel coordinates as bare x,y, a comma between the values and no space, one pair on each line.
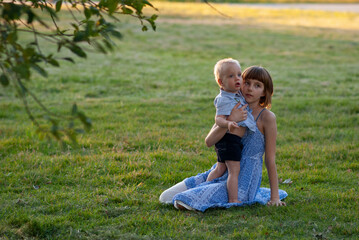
252,90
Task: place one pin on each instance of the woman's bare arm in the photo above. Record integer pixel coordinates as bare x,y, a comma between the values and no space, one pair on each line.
215,135
270,133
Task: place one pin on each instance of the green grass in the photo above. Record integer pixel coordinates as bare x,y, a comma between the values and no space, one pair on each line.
151,103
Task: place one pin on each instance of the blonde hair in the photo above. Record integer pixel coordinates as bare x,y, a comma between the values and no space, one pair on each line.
261,74
218,68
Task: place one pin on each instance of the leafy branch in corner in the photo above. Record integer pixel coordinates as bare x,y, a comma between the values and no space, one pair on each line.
93,24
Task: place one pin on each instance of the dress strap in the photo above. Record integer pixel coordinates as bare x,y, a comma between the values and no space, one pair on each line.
260,114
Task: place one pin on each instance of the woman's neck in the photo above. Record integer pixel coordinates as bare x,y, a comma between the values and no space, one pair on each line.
255,106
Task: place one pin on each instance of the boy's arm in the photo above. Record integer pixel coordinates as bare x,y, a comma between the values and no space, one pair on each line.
221,121
223,109
217,132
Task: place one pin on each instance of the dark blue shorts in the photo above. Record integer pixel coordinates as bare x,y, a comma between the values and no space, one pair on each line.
229,148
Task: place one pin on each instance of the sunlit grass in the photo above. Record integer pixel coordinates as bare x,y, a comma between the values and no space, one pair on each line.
253,16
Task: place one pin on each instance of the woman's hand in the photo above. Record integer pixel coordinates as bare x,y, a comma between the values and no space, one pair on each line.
277,203
238,114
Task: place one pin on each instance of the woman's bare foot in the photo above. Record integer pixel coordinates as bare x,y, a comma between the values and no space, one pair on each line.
234,201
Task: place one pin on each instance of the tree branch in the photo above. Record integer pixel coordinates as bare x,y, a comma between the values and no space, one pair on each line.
215,9
23,97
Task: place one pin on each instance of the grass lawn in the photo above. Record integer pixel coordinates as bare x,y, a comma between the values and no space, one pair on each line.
151,103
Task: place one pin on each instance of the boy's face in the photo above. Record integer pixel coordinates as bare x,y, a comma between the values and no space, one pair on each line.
230,78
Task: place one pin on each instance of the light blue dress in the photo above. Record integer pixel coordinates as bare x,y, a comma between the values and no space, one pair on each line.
202,195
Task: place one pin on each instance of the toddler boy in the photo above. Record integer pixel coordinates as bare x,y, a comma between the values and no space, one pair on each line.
229,149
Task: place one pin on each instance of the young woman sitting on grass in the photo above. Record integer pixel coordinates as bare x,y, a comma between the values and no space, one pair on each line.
195,193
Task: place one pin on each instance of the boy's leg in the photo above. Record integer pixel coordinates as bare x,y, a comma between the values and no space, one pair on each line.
217,172
232,182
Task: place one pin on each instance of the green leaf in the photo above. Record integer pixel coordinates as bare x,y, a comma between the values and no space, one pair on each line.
22,70
144,28
53,62
58,5
85,120
99,47
4,80
101,21
39,69
112,6
12,37
75,26
104,34
90,29
29,53
72,136
147,2
59,46
94,10
74,109
55,123
87,13
116,34
30,16
151,20
108,44
68,59
126,10
80,36
11,11
77,50
154,17
55,131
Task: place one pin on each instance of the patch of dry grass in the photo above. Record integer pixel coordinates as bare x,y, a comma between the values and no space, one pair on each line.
201,13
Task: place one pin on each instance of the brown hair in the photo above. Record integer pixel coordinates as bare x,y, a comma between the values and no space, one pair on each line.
261,74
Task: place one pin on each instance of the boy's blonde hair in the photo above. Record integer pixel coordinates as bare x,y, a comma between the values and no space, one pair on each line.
218,68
